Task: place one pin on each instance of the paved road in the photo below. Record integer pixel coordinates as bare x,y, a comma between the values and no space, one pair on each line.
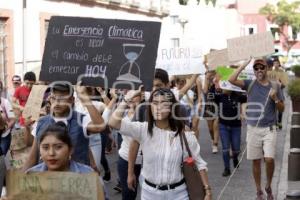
241,185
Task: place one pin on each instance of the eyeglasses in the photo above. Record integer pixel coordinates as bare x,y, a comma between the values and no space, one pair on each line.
259,67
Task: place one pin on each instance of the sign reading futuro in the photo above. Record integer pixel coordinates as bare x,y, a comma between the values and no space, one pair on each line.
100,52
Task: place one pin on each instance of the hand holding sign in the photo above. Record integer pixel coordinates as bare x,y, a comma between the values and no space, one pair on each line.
82,93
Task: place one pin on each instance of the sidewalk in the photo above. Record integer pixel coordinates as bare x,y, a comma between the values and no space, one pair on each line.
284,185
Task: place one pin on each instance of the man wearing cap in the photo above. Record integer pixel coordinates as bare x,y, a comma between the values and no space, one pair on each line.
16,82
264,98
80,126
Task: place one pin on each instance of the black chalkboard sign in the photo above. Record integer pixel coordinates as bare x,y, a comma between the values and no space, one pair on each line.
101,52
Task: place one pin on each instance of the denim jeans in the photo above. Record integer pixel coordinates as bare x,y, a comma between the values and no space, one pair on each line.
127,194
5,144
2,172
230,137
96,148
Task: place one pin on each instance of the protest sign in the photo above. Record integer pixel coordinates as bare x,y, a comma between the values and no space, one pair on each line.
17,158
217,58
101,52
225,73
17,139
226,85
53,186
278,75
181,60
256,45
33,105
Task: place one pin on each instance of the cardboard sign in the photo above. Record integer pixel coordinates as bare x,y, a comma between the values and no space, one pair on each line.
17,139
256,45
225,85
101,52
226,72
33,105
17,158
181,60
217,58
279,75
53,186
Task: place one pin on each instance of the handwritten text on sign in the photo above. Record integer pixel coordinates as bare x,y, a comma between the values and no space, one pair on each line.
100,52
180,61
53,186
257,45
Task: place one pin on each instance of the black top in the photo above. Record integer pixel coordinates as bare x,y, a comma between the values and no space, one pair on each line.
230,108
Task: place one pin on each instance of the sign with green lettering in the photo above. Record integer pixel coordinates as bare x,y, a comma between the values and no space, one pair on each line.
101,52
53,186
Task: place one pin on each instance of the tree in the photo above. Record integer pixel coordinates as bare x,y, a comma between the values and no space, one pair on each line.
184,2
284,14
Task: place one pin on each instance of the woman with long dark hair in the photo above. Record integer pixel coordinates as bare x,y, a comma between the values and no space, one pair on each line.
160,142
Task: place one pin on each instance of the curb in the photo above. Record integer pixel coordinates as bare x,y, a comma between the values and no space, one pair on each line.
282,186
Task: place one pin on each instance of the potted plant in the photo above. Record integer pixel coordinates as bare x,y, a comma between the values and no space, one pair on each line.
294,92
296,70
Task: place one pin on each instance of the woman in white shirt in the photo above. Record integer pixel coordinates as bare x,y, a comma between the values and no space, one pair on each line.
160,143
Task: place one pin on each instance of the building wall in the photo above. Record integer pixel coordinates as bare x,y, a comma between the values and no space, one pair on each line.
249,10
37,13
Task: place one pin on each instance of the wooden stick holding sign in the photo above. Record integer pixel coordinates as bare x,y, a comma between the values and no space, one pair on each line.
33,106
53,186
256,45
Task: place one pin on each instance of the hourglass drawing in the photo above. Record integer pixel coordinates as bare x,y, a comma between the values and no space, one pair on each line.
132,52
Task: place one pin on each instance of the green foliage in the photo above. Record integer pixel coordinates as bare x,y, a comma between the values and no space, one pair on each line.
183,2
294,88
283,13
296,69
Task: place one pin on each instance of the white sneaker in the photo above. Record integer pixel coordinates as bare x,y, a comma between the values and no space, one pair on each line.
215,149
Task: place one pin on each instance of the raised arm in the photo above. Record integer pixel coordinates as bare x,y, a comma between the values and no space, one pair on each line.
233,79
188,85
97,122
116,118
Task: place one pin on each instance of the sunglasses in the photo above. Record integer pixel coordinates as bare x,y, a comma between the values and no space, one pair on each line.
259,67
